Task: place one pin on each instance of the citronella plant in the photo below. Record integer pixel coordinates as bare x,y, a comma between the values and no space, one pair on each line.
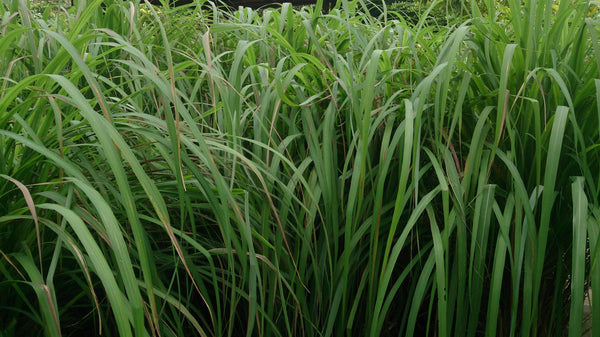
292,172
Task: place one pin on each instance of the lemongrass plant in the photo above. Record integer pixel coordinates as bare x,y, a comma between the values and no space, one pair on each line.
288,172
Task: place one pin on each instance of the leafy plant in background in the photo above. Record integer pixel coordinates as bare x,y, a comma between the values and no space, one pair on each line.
191,171
433,14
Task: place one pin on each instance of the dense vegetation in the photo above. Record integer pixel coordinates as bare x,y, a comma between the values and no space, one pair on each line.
283,172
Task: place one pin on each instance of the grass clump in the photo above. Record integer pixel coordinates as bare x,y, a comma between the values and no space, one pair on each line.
285,172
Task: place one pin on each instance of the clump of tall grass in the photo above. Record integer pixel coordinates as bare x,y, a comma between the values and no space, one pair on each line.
287,172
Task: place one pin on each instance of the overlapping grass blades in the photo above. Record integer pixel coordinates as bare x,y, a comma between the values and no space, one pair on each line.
285,172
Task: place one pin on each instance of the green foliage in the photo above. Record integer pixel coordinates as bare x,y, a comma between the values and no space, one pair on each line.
434,13
283,172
